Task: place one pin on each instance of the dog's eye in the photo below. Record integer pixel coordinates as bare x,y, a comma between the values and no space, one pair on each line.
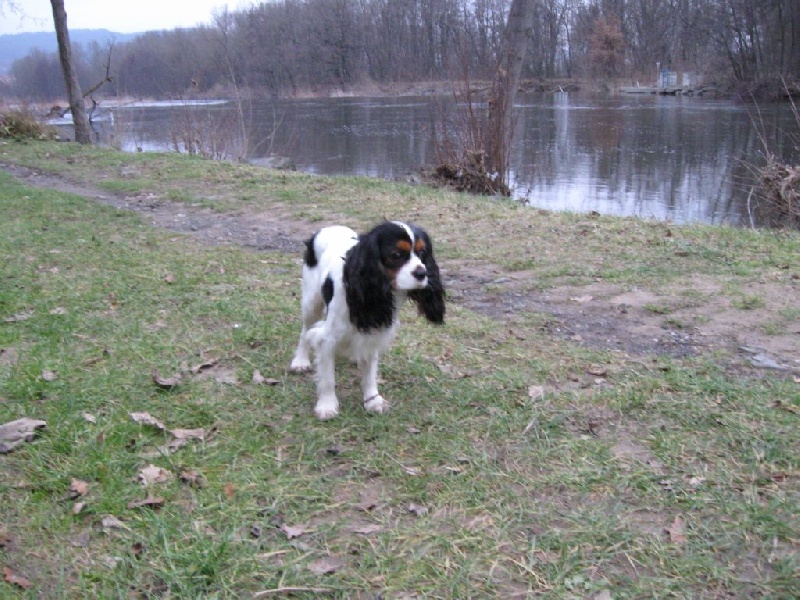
422,254
396,255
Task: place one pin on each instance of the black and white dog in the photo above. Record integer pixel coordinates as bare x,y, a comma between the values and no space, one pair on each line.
353,288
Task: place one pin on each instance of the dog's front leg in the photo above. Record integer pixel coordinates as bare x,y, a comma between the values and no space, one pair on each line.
327,404
373,401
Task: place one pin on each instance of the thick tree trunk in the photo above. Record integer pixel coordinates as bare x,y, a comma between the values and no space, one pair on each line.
83,131
498,134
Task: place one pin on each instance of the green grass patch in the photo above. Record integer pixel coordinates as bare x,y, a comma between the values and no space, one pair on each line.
502,470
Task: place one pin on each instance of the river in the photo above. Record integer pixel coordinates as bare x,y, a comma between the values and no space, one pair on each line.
681,159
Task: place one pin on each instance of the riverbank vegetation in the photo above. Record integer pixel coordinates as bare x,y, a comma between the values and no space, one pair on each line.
294,48
611,409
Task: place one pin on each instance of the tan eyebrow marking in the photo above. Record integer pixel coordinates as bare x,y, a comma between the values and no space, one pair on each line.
403,245
419,246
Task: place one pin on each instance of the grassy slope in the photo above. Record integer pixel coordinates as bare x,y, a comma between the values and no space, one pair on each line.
474,485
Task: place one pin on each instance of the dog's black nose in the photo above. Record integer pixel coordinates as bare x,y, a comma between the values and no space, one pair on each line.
420,273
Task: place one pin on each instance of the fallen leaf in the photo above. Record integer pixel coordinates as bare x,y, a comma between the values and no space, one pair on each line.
189,434
166,383
89,417
327,565
15,433
79,488
367,529
417,510
293,531
258,378
230,490
192,477
78,507
152,474
676,531
413,430
146,419
110,522
150,502
58,310
535,392
49,375
19,317
582,299
597,371
15,579
170,278
203,366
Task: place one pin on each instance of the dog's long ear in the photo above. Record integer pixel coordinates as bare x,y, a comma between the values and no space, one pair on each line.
367,288
430,300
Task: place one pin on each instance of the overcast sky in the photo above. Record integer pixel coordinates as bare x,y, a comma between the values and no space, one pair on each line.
123,16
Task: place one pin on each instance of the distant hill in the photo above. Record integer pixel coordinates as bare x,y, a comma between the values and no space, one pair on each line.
17,45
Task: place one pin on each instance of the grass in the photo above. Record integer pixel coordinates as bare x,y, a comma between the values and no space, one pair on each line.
657,478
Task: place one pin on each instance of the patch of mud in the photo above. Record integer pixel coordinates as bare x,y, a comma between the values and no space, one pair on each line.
599,316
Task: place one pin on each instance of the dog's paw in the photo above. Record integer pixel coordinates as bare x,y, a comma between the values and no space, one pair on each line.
300,365
326,409
376,405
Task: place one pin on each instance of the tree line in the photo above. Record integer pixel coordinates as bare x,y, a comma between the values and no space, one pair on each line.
291,47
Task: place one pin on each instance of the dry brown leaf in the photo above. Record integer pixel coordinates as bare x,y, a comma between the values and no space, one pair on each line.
192,477
293,531
367,529
189,434
230,490
15,579
597,371
203,366
150,502
78,507
258,378
417,510
327,565
79,487
15,433
152,474
166,383
676,531
146,419
536,392
19,317
110,522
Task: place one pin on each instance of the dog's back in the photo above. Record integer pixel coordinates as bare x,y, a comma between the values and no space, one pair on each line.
328,242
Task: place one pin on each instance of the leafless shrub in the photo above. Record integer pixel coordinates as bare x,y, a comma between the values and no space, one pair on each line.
23,125
460,136
777,191
204,131
779,194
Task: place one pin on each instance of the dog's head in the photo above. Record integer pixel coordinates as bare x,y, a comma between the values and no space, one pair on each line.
393,257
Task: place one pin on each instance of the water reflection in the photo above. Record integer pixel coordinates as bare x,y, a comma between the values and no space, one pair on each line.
682,159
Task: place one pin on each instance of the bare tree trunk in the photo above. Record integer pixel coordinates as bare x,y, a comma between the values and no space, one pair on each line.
498,133
83,131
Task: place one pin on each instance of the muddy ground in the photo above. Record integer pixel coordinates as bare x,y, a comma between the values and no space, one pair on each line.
599,316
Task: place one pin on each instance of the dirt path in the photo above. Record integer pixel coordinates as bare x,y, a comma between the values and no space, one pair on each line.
600,316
